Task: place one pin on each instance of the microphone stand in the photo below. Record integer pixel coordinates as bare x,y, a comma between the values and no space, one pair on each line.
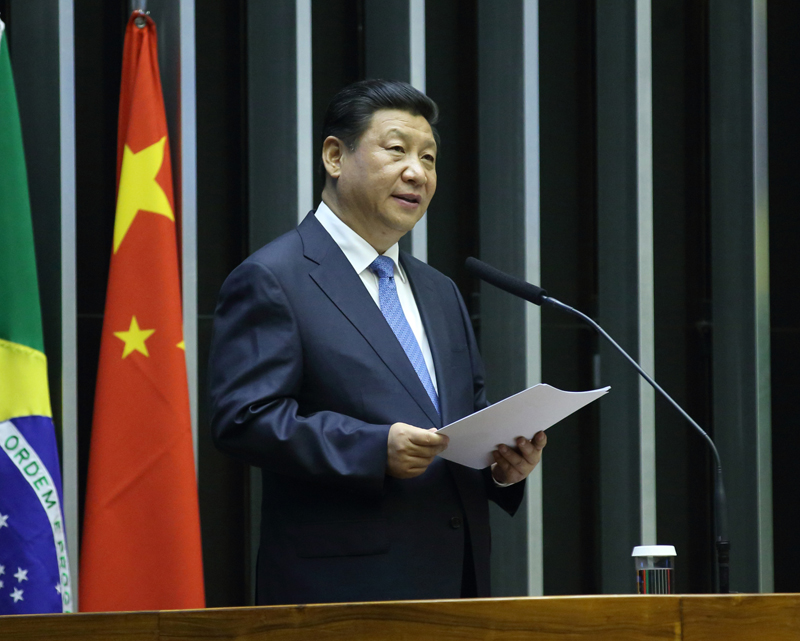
720,503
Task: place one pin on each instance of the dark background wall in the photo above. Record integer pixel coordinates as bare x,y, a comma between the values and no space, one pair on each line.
682,281
784,186
569,240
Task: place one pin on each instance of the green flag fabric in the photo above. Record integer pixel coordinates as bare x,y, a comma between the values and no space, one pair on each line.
34,570
20,318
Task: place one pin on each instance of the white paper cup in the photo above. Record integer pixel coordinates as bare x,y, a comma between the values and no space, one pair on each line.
655,569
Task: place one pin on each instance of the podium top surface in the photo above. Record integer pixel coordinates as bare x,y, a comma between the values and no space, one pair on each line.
766,617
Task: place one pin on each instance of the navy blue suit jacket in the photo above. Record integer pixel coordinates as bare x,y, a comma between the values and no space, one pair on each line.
306,377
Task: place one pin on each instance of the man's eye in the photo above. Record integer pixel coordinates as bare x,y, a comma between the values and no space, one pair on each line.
429,158
397,148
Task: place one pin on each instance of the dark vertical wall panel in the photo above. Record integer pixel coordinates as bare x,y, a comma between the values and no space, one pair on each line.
166,14
271,119
502,233
682,291
337,60
784,194
618,289
568,260
451,80
221,245
387,44
501,196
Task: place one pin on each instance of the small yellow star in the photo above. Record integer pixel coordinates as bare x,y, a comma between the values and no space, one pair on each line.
138,189
134,338
181,345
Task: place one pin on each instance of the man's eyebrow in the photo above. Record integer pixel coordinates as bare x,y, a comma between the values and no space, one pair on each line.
394,131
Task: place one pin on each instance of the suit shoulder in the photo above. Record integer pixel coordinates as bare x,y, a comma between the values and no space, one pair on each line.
307,242
273,263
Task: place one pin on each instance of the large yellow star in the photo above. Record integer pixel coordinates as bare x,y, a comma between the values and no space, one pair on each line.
138,189
134,338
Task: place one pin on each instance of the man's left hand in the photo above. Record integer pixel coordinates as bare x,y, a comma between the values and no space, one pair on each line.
514,465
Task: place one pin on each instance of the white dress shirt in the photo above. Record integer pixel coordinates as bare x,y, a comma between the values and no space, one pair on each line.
361,254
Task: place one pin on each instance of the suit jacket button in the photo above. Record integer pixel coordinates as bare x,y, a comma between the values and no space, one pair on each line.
456,522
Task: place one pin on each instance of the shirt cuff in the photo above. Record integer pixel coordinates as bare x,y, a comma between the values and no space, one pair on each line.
496,482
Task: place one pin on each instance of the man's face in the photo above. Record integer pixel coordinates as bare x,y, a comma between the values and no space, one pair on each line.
387,182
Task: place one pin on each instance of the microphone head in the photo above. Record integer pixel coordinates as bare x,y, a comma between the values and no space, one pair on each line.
506,282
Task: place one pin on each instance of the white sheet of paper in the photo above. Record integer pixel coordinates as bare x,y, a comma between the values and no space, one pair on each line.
474,437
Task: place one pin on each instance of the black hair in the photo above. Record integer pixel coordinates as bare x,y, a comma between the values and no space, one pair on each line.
350,112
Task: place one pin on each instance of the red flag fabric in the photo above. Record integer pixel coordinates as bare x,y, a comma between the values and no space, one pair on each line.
141,533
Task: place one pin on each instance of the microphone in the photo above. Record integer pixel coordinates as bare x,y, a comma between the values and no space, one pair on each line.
538,296
506,282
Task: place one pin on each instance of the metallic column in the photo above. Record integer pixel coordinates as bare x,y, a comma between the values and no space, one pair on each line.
69,312
305,125
644,160
533,323
188,173
416,45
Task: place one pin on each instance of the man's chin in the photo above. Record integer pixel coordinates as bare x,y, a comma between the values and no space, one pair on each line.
404,221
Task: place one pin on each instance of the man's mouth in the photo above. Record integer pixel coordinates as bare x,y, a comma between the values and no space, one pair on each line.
409,198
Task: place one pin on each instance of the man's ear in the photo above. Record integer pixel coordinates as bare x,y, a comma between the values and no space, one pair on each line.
332,152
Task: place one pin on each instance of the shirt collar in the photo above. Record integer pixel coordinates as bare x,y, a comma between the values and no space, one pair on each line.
358,251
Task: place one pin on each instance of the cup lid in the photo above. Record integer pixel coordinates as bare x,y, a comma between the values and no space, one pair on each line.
654,550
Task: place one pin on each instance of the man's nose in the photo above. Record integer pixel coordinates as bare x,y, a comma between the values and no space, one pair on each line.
415,172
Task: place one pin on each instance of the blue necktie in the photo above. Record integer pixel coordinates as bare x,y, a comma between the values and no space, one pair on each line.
383,268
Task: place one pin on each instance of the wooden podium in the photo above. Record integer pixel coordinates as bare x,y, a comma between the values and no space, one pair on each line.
743,617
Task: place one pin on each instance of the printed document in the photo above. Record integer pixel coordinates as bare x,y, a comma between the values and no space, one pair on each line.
474,437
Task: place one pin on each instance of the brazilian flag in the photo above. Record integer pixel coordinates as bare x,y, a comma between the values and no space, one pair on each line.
34,570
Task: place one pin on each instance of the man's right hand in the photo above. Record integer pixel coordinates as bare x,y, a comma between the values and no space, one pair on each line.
411,450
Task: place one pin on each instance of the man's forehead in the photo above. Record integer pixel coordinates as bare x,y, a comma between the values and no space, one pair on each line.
403,123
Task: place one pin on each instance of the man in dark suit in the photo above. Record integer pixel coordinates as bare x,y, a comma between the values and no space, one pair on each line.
334,360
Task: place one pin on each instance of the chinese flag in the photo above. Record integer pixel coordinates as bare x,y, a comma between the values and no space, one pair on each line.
141,532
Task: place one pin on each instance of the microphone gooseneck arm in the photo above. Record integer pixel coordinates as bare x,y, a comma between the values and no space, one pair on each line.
539,296
720,500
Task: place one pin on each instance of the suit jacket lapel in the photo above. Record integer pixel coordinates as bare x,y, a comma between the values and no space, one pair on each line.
337,279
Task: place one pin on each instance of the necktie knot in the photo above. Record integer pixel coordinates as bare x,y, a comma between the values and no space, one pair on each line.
382,267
